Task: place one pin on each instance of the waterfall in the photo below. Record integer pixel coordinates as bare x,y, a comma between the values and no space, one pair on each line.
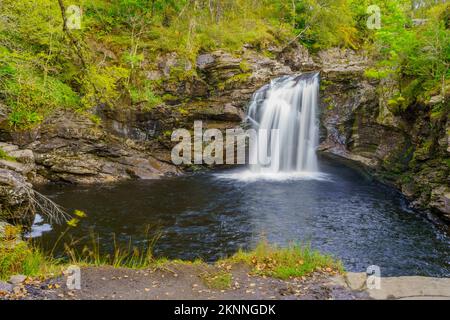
283,113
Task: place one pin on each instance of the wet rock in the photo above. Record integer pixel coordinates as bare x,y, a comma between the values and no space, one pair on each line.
219,66
440,200
22,160
232,113
170,61
8,147
14,197
23,156
358,124
15,166
436,99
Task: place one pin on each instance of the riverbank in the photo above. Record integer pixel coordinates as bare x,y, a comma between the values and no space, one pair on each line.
266,273
184,282
187,282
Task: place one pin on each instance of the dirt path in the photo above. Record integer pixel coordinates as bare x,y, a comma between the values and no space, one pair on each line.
181,282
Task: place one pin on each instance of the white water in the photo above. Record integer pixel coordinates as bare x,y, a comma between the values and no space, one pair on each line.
288,104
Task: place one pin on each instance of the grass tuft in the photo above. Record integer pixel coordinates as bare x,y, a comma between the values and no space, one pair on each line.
20,257
220,280
284,263
120,257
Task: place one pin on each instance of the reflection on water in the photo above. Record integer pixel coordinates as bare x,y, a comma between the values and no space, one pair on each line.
210,215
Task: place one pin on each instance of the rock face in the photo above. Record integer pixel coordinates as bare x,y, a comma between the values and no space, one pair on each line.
71,148
15,203
409,150
215,90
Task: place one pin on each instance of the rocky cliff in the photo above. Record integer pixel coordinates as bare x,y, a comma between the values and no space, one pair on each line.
409,150
411,153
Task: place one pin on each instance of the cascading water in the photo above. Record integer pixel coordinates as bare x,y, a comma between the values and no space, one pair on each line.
284,116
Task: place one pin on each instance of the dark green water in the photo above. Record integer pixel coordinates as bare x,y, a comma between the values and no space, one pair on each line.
213,214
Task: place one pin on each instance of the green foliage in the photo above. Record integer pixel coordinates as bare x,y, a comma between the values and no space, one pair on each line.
417,58
95,119
33,61
146,96
325,23
100,85
31,96
43,67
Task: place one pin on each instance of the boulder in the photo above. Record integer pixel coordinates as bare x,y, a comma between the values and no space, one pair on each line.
15,197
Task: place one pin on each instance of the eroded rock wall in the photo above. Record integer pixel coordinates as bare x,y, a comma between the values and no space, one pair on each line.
409,150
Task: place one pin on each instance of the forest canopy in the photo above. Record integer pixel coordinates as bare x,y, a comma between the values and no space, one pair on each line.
45,66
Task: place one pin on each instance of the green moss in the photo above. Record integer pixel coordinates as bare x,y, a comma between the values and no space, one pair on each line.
169,97
5,156
406,178
234,80
245,66
446,162
424,150
397,105
95,119
440,110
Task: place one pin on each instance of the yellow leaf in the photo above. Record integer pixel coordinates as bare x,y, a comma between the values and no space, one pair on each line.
80,214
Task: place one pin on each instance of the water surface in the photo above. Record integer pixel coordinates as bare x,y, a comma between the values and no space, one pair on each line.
212,214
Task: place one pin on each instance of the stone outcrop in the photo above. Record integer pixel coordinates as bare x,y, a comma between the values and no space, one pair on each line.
69,147
409,151
15,203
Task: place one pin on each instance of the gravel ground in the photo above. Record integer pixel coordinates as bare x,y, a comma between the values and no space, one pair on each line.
183,282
